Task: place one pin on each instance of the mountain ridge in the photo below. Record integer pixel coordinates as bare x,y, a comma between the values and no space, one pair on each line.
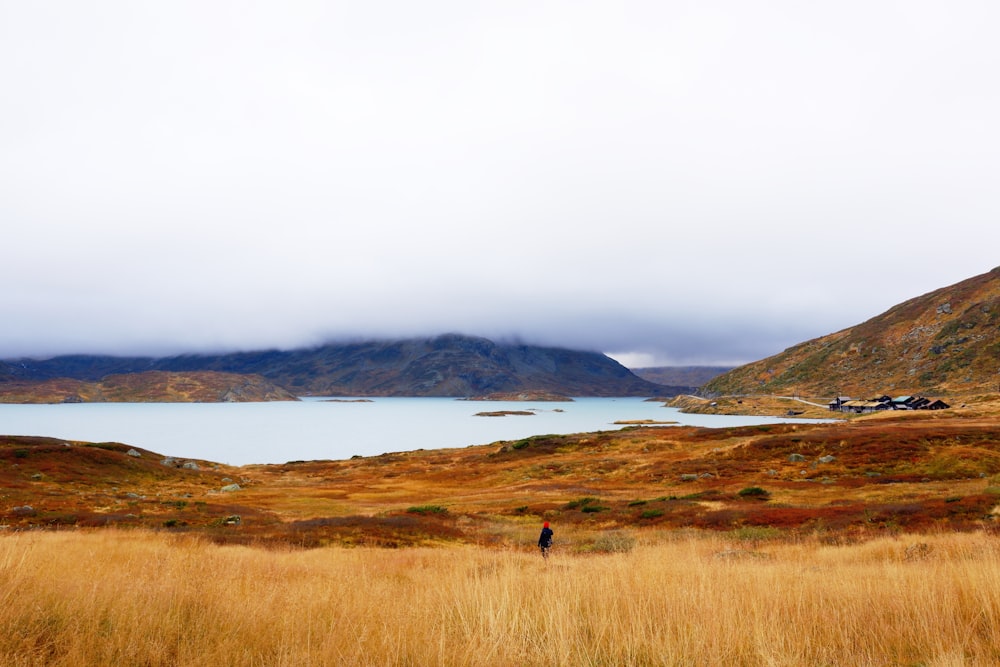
449,365
946,341
691,377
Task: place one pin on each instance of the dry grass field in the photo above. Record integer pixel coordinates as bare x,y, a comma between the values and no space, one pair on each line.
866,542
118,597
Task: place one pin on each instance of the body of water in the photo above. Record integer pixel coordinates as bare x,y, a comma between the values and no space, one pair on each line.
314,428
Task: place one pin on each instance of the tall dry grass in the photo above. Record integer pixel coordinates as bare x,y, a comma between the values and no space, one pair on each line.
135,598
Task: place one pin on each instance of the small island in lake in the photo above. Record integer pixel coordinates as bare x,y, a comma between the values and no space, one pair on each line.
504,413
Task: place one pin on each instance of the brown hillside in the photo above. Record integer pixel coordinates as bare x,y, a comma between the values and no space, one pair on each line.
946,342
148,387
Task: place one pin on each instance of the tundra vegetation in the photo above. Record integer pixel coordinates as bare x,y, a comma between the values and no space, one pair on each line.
118,597
866,542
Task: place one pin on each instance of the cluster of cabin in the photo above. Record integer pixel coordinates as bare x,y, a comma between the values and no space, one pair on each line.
844,404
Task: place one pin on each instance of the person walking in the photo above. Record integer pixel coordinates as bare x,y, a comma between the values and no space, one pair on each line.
545,540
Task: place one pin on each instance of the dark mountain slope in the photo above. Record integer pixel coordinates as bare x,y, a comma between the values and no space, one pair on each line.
943,342
449,365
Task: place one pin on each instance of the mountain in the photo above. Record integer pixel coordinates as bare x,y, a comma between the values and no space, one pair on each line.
146,387
944,342
691,377
448,365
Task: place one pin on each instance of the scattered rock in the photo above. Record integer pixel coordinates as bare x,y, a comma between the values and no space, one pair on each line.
230,488
827,459
23,510
170,462
134,452
689,477
233,520
37,476
796,458
190,465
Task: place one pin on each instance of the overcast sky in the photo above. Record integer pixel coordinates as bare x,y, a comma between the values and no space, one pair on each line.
666,182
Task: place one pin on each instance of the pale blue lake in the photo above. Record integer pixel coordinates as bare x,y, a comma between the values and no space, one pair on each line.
242,433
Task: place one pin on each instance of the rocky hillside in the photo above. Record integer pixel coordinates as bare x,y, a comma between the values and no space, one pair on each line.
449,365
944,342
147,387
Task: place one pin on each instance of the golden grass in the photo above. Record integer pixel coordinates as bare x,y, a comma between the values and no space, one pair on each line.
138,598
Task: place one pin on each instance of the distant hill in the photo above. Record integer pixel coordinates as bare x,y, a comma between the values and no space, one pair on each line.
448,365
147,387
691,377
944,342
